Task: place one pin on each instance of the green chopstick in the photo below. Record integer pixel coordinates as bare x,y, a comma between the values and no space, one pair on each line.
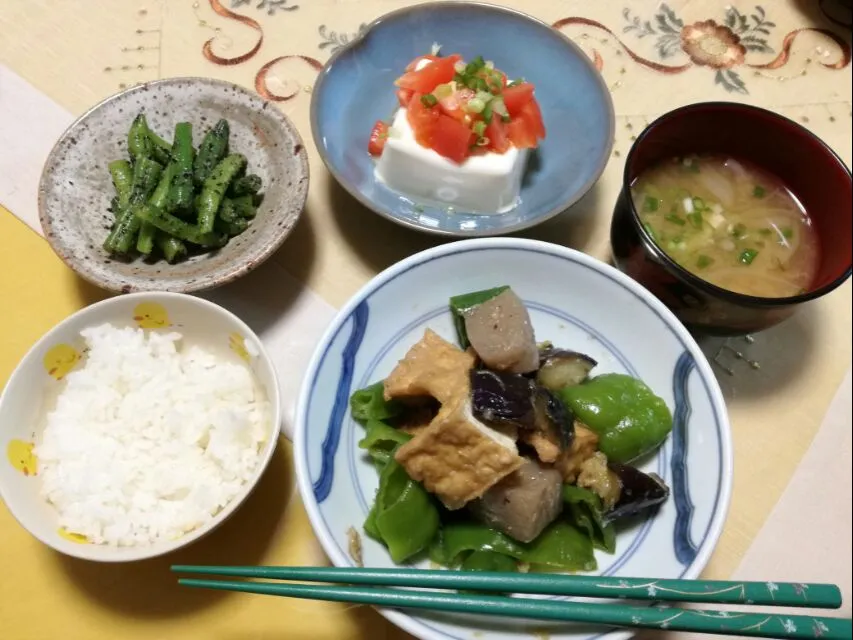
757,625
781,594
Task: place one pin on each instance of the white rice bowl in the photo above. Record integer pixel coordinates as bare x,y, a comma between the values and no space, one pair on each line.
123,443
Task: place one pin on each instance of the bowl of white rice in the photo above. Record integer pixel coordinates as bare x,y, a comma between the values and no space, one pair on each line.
136,426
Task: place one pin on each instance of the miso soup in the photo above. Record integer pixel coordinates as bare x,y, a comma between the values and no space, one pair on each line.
730,223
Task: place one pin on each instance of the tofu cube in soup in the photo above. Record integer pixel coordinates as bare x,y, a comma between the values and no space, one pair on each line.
524,503
501,333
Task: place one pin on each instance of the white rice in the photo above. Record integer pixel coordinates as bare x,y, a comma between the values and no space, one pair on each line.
149,439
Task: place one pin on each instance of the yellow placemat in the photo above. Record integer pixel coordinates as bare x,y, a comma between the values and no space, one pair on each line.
78,53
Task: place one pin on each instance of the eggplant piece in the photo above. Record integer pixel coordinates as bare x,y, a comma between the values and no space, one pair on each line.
512,399
501,333
559,368
502,398
522,504
553,419
640,491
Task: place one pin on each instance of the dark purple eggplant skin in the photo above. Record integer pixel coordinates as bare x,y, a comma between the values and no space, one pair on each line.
511,398
556,418
560,368
502,398
640,491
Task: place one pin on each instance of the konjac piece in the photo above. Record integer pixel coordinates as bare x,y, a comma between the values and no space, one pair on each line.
501,333
524,503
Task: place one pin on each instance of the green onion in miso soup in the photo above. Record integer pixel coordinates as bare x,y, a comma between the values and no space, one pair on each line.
730,223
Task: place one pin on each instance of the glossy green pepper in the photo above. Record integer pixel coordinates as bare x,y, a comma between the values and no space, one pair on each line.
628,417
404,516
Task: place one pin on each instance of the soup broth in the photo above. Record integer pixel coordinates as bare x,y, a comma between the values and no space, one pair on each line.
730,223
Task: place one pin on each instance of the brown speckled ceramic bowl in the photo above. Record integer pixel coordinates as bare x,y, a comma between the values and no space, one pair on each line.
75,189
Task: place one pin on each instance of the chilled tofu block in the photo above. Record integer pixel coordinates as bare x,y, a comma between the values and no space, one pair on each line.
488,183
457,457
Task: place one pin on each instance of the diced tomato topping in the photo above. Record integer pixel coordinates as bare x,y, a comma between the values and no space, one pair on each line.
531,114
414,63
454,104
404,97
377,138
496,133
452,139
517,96
521,133
439,71
447,126
422,120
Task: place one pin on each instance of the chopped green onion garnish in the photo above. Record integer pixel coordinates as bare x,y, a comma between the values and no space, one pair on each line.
487,112
765,232
482,142
759,191
650,231
739,230
699,204
475,105
516,82
704,261
443,91
695,219
499,107
747,256
479,128
788,232
675,219
650,204
429,100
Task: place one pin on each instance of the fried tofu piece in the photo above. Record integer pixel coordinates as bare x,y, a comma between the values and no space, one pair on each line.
545,444
432,367
583,447
457,457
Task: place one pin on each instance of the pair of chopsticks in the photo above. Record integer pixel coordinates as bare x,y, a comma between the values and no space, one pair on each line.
660,617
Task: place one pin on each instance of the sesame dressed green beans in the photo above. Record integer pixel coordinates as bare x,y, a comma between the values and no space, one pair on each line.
214,189
213,148
173,200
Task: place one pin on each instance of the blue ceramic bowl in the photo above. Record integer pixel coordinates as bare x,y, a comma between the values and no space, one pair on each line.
356,88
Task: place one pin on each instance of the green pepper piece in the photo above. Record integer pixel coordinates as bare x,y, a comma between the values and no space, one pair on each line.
586,510
370,404
380,442
628,417
461,304
458,539
483,560
406,517
561,546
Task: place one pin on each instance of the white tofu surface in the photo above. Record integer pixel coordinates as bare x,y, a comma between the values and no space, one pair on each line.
488,183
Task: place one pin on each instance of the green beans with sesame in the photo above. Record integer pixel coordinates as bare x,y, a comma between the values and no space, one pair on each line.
172,200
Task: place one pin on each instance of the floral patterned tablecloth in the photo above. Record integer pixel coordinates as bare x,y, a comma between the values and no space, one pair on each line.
792,57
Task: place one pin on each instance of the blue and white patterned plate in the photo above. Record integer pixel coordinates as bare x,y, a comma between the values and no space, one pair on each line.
576,302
